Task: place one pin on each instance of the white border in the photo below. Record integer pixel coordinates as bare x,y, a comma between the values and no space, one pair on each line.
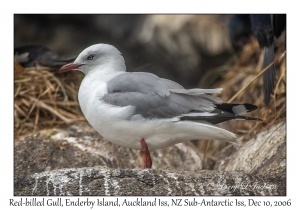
154,6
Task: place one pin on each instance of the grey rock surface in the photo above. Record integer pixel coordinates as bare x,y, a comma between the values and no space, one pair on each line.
75,160
79,145
102,181
263,155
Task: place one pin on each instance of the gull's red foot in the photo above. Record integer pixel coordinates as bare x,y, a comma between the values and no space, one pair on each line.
146,158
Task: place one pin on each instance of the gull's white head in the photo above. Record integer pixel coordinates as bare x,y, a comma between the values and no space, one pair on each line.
96,58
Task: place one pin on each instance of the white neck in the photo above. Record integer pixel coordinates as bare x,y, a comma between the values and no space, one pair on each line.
95,82
99,76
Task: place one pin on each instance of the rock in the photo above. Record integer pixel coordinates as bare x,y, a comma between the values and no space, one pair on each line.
100,181
264,155
75,160
79,145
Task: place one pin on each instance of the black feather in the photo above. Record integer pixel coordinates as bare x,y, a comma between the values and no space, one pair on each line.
32,55
228,107
264,27
224,112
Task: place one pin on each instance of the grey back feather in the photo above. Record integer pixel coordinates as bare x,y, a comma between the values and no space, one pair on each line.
154,97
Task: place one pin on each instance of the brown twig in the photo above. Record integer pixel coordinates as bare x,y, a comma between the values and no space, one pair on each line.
207,143
258,75
49,108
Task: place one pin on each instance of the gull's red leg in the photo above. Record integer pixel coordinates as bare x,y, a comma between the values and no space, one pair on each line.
146,158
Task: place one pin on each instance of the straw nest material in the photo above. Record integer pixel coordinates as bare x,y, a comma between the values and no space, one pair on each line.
242,83
44,99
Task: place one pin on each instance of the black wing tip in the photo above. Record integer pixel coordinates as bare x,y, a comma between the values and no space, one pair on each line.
250,107
228,107
218,118
252,118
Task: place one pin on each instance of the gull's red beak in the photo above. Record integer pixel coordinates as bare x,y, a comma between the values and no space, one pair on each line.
69,67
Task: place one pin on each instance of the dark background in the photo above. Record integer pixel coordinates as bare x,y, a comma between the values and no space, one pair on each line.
178,47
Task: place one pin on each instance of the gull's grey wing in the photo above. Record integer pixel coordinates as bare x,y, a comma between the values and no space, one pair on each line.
156,97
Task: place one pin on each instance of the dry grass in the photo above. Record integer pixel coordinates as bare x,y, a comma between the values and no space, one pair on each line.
43,98
242,83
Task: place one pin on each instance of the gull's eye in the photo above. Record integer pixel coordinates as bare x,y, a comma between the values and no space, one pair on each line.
90,57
